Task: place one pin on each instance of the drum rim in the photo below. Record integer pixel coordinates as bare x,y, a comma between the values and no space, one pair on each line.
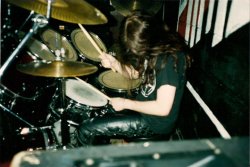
119,90
78,30
80,105
45,47
75,56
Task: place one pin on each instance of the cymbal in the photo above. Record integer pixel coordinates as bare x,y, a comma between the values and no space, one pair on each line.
73,11
57,68
126,7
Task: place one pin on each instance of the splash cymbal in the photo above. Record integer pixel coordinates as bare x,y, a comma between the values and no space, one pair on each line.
126,7
57,68
73,11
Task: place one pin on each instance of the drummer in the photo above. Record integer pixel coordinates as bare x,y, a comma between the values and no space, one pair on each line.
149,50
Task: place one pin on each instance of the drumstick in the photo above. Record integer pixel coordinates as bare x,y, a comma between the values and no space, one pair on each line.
90,38
92,41
93,88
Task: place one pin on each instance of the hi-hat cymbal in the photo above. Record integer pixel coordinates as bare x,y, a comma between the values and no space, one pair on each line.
126,7
57,68
73,11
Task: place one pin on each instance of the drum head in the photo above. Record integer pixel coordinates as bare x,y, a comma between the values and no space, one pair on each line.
117,82
56,41
85,47
39,50
83,94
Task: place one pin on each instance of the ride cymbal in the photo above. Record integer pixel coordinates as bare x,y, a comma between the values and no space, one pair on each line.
126,7
73,11
57,68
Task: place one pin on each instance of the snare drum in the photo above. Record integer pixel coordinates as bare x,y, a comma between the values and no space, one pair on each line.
56,41
84,103
114,84
85,47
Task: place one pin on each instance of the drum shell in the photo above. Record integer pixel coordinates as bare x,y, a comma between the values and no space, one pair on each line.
79,112
107,81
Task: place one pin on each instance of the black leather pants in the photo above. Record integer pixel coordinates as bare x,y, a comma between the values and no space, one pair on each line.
119,124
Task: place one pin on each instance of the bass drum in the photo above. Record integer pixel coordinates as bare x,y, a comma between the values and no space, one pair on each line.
115,85
84,46
55,41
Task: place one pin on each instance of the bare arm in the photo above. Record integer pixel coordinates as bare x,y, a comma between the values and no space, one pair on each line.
160,107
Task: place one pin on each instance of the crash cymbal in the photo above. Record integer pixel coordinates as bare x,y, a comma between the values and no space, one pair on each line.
126,7
57,68
73,11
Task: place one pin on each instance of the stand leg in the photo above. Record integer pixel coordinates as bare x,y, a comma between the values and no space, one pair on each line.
64,116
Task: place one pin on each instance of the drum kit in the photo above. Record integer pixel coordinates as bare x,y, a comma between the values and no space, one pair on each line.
56,57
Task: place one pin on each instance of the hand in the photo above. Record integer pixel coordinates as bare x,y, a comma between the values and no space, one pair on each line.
118,103
107,60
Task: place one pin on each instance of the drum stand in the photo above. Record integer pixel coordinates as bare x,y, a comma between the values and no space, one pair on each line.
16,116
62,109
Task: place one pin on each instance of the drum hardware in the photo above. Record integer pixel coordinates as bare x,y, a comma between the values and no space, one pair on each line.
36,136
9,99
59,45
39,21
16,116
31,129
60,70
62,108
39,50
68,11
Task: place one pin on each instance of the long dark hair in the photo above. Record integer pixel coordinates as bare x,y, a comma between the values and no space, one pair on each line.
144,38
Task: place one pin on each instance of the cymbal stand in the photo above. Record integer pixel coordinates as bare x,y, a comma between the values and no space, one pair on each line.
64,117
39,22
21,27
